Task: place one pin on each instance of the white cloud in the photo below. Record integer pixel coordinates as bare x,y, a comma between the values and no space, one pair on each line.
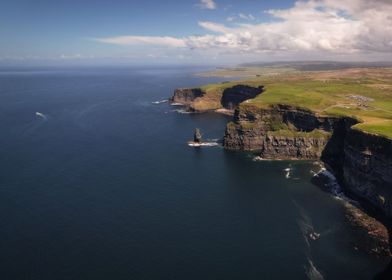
144,40
314,26
207,4
246,17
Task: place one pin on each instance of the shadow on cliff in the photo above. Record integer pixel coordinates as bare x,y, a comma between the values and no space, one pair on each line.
334,158
233,96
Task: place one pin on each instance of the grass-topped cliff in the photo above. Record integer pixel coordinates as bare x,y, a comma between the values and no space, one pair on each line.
364,94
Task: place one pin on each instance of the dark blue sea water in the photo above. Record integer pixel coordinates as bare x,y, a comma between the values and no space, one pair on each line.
101,185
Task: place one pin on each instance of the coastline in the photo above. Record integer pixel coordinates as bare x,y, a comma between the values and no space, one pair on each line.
308,135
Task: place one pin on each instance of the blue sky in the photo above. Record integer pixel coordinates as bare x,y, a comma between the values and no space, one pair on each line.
191,31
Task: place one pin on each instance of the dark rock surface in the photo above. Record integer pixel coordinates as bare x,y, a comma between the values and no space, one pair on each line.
232,97
367,168
186,96
361,162
369,234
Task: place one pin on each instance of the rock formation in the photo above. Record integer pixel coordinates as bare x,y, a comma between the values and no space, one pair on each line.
198,100
197,136
186,96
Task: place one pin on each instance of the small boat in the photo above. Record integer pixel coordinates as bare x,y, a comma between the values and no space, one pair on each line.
314,235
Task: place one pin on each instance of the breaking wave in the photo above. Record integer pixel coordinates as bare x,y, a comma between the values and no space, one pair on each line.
160,101
183,111
177,104
204,144
259,158
288,172
332,185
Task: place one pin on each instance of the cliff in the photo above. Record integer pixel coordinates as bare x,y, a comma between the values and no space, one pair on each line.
221,96
367,168
186,96
361,161
343,118
279,131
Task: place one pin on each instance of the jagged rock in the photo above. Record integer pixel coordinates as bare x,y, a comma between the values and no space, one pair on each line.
186,96
369,234
197,137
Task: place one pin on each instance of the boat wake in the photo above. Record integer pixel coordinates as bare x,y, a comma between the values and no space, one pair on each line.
312,272
309,234
44,117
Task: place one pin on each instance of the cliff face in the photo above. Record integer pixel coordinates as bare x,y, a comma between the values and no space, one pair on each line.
280,132
186,96
361,162
367,168
232,97
198,100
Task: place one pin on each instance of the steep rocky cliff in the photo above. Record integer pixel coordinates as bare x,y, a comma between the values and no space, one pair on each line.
233,96
222,97
186,96
279,132
367,168
362,162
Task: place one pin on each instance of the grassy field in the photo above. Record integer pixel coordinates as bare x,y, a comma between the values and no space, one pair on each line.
365,94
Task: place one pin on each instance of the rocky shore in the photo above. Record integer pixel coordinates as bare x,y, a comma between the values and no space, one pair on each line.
361,162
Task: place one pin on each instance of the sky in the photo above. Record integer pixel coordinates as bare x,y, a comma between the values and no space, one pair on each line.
193,31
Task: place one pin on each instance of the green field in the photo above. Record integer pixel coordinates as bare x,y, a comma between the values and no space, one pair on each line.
364,94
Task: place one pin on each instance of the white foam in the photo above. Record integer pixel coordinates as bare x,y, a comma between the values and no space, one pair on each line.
41,115
312,272
160,101
204,144
182,111
333,185
288,172
177,104
258,158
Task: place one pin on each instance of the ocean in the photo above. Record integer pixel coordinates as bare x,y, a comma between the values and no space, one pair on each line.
97,182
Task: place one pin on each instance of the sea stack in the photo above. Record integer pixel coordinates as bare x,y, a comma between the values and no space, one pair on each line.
197,136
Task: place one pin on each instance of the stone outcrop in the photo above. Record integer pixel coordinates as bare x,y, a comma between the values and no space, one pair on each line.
186,96
220,100
369,235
